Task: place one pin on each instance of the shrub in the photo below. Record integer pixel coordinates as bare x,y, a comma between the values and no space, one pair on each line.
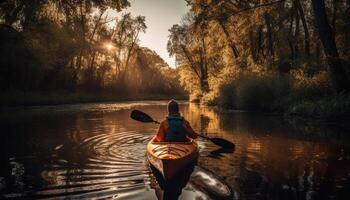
330,108
227,97
310,87
251,92
210,99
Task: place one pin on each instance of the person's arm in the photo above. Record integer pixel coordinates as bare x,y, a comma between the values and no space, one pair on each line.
160,137
189,131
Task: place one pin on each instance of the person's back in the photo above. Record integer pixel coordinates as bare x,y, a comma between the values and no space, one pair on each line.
174,128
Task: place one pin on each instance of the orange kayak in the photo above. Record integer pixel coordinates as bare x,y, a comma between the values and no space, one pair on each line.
171,158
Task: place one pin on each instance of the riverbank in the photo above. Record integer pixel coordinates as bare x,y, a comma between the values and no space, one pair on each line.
332,108
328,109
57,98
312,99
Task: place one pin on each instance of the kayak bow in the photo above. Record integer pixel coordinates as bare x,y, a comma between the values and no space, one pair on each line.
169,158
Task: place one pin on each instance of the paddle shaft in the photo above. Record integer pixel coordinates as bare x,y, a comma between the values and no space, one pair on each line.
202,136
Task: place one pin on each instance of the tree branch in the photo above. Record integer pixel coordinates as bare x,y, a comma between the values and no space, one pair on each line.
257,6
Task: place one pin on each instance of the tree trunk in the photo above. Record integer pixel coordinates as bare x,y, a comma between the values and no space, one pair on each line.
335,9
190,61
290,33
252,45
230,41
269,34
260,43
326,34
91,68
204,84
306,30
129,54
296,34
204,69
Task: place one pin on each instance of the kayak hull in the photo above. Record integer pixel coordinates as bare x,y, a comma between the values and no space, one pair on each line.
171,158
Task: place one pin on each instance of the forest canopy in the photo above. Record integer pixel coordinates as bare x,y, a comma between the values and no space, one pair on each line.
264,55
69,45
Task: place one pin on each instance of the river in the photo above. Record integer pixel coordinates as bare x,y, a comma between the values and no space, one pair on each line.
95,151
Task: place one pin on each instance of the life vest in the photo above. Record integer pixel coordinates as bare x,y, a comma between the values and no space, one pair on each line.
175,132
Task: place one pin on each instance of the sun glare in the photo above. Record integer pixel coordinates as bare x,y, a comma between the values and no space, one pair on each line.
109,46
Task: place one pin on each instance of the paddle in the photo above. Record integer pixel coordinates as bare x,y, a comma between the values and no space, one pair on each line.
143,117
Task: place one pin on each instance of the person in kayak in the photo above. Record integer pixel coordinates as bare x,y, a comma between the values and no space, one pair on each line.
174,128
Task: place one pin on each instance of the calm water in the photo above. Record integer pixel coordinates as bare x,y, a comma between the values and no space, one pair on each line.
96,151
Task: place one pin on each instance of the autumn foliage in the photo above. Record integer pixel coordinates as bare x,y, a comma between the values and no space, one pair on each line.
262,55
78,46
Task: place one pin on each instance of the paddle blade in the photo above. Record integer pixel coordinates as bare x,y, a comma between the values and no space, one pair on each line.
223,143
141,116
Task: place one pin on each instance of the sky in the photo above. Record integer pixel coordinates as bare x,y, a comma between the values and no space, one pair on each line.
160,15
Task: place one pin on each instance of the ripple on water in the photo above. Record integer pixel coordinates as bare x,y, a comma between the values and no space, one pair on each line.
108,168
111,166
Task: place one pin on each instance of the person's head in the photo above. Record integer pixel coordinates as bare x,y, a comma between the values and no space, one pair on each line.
173,107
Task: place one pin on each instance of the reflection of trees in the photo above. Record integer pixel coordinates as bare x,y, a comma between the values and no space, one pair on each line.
271,157
334,133
203,118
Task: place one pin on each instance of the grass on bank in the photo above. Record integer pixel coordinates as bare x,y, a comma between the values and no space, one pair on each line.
17,98
307,97
332,108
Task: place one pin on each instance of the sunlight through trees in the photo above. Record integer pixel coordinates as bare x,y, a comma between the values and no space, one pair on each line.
75,46
264,55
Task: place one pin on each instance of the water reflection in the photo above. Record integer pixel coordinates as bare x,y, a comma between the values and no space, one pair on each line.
194,183
96,151
170,190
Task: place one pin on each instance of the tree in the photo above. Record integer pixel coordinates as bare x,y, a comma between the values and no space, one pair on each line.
264,37
126,38
338,74
190,51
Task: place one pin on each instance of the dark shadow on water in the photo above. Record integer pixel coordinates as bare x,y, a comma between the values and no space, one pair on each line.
218,152
171,189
